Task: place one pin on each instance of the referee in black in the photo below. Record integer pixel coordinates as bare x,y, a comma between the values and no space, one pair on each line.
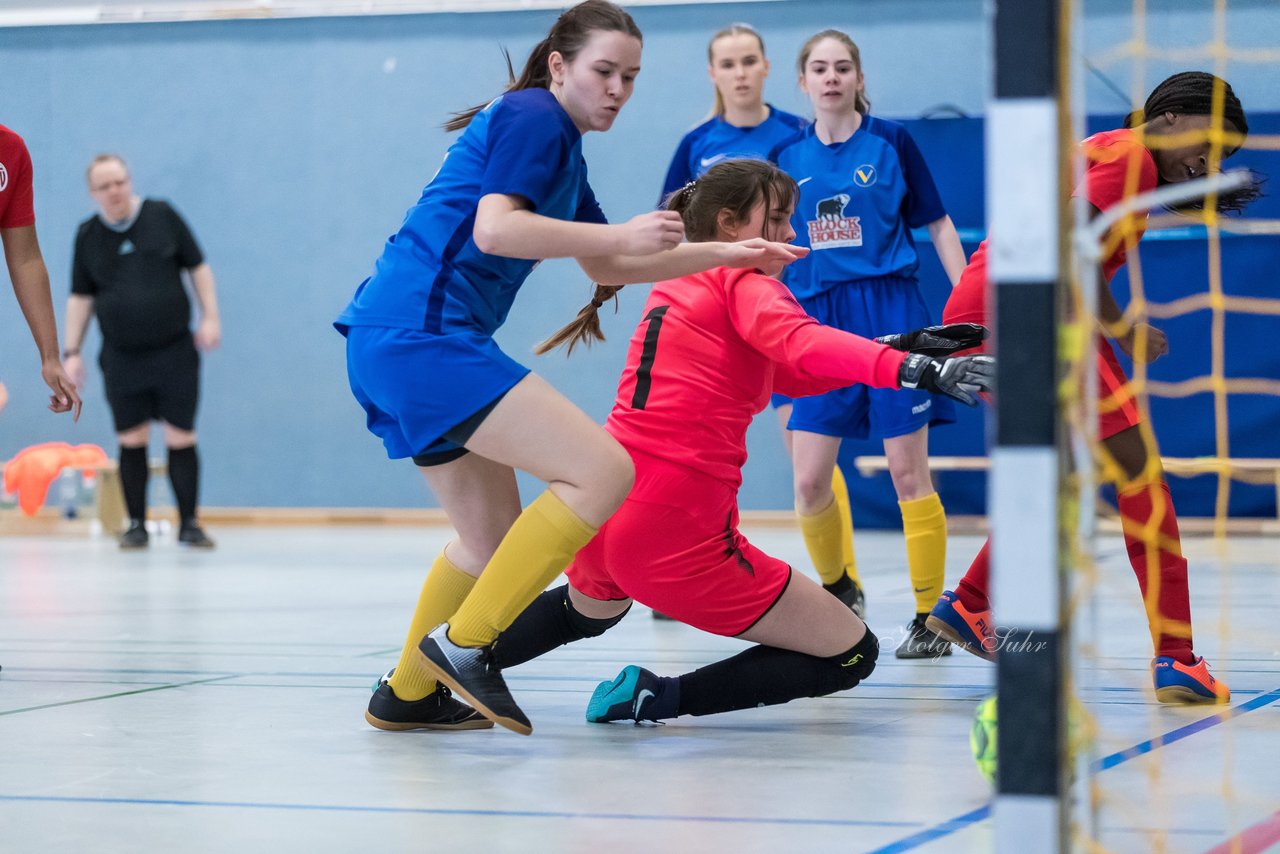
127,270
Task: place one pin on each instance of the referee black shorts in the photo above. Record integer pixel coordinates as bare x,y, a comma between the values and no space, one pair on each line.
161,384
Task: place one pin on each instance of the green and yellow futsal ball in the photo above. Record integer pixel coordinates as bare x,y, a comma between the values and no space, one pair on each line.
982,738
982,735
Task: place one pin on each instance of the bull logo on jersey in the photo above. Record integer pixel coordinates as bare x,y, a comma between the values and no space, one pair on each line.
833,208
832,229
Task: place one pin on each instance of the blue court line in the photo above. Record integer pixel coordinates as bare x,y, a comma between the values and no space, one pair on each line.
938,831
982,813
1182,732
705,819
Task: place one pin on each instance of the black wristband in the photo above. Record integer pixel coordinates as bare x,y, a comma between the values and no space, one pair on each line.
918,371
67,354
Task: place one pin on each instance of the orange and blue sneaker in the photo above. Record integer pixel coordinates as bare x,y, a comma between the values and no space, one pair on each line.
1187,683
972,631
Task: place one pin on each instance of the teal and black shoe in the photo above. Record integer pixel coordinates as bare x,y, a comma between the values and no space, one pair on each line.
630,697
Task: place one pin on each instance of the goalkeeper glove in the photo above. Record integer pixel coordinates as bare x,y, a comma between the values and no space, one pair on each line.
938,340
960,377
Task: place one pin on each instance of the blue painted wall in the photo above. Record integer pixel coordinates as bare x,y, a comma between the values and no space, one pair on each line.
294,147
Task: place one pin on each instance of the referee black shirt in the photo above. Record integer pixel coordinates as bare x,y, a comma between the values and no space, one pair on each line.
134,276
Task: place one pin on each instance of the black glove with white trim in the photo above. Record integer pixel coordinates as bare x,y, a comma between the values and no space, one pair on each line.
960,377
938,340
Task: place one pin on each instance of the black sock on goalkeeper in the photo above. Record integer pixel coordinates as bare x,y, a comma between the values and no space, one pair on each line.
768,676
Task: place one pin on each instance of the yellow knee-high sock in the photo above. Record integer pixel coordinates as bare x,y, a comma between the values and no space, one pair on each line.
445,589
822,533
924,524
841,490
536,549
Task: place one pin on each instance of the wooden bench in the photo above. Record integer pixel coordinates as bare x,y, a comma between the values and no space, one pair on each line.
1259,470
108,497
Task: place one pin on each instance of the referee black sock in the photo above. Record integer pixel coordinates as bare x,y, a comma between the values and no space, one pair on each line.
768,676
184,474
133,482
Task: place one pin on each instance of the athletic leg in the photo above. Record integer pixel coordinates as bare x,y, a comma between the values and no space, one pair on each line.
134,473
559,616
536,429
1150,526
184,477
964,617
482,500
828,532
924,525
810,645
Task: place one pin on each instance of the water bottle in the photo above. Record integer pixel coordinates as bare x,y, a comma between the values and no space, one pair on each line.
69,493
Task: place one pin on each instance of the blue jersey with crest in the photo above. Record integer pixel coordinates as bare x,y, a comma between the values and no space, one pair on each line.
431,276
715,140
859,200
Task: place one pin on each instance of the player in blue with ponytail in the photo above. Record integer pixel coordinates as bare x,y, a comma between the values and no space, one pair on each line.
422,362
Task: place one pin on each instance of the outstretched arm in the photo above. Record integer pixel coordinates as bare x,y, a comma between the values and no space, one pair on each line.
646,248
505,226
689,258
811,358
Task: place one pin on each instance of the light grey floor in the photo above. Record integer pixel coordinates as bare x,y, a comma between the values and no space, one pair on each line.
185,702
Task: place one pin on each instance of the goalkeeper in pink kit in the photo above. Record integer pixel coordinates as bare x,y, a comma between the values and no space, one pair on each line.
708,353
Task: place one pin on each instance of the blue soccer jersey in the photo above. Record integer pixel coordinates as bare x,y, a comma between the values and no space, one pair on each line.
859,200
431,276
715,140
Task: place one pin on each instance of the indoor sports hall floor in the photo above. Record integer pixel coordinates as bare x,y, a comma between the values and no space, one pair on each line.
173,701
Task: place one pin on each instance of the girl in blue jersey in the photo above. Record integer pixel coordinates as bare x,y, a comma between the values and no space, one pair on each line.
741,123
863,187
422,362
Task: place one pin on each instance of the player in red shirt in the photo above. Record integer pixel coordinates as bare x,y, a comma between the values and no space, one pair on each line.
27,270
710,350
1120,164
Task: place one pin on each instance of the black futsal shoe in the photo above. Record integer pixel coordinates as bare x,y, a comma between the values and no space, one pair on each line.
437,710
193,536
920,642
135,538
850,593
473,675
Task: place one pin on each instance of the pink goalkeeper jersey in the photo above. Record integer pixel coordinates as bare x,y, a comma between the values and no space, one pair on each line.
708,352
